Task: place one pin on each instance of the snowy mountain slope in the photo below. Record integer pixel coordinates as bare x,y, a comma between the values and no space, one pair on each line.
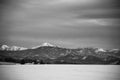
12,48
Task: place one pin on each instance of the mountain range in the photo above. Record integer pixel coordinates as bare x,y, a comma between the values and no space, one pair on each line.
51,54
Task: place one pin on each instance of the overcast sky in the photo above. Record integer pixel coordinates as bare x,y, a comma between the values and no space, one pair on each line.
67,23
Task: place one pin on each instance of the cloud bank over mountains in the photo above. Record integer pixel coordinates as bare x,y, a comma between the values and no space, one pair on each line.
72,23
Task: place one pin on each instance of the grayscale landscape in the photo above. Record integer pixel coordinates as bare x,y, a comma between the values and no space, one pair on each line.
47,53
59,40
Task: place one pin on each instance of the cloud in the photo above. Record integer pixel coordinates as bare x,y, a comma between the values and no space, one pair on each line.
75,21
71,1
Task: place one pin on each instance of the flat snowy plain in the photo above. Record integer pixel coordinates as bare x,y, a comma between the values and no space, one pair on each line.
59,72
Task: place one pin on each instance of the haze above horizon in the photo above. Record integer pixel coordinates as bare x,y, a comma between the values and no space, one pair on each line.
68,23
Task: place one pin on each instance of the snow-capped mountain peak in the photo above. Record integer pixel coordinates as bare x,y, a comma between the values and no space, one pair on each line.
23,48
35,47
4,47
12,48
44,44
47,44
100,50
15,48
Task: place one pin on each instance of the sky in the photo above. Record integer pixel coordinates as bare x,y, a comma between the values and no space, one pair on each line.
67,23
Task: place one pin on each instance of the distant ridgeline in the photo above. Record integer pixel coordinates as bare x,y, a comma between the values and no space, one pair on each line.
50,54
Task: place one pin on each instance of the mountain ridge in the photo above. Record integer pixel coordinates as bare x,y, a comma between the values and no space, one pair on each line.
15,48
48,54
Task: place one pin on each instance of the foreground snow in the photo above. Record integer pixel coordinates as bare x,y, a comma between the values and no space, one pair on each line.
59,72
